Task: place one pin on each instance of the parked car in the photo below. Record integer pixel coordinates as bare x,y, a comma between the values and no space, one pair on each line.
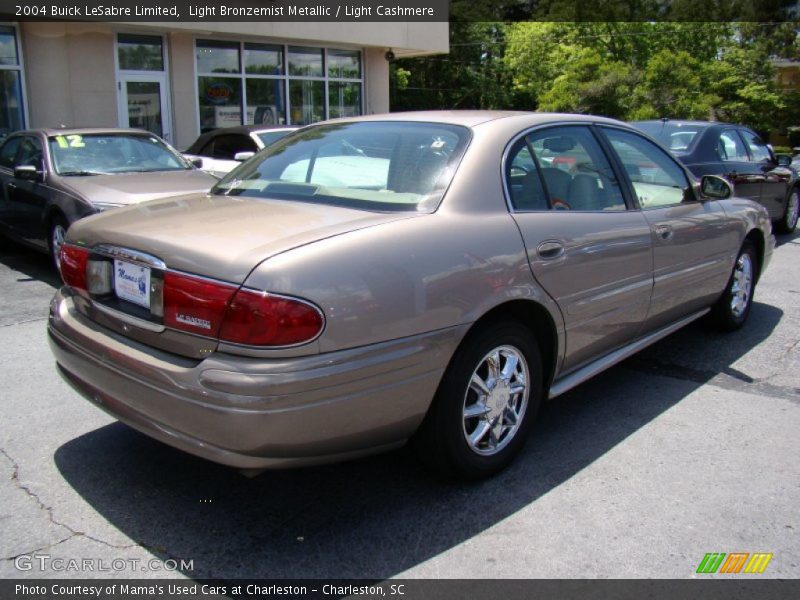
738,154
308,311
50,178
221,150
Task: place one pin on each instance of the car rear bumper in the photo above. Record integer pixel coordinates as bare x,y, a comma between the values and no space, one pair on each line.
252,412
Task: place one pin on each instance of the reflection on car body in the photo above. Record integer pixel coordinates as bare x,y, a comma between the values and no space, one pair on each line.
424,276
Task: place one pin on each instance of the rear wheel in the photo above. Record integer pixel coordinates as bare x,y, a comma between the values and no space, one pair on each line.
788,221
485,404
56,233
731,310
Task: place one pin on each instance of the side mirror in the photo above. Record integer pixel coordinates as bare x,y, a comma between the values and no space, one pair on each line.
712,186
243,156
783,160
197,162
27,172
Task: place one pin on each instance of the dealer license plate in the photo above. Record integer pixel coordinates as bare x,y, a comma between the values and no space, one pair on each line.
132,283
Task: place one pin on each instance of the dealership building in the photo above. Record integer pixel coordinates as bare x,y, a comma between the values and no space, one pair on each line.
178,79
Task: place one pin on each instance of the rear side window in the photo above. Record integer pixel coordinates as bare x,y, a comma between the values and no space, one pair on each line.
561,168
8,152
656,178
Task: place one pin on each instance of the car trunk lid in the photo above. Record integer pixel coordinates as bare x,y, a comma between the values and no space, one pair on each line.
212,237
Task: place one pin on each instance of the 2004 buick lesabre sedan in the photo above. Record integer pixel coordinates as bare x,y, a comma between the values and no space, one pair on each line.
424,276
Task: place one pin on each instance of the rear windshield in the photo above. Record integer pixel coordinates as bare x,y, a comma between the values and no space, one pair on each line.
676,137
382,166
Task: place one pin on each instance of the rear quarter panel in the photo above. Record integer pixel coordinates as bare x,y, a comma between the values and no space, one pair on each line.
406,278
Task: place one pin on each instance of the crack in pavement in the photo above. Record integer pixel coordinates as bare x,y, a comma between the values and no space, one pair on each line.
73,533
37,319
49,510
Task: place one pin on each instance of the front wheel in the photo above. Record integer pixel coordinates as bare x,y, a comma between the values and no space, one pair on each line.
485,404
731,310
788,221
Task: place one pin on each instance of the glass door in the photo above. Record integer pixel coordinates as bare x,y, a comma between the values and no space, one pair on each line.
142,83
143,103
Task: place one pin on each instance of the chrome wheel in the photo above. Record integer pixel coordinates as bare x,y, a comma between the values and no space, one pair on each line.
742,285
792,209
496,400
57,234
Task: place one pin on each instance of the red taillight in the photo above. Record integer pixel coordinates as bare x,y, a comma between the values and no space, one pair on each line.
195,305
216,309
73,265
262,319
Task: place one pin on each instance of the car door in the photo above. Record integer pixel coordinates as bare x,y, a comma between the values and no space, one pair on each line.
774,179
8,155
586,247
29,196
738,166
692,240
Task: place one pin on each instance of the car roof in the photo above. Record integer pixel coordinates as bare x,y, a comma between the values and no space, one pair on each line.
48,131
688,123
473,118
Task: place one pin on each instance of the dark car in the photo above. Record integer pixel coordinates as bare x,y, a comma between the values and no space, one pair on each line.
222,150
53,177
738,154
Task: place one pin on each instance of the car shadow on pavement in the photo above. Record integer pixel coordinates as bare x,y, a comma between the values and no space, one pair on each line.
30,264
376,517
790,238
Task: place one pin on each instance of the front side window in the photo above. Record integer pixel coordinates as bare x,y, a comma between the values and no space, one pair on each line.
731,148
30,153
99,154
758,149
373,166
657,179
562,168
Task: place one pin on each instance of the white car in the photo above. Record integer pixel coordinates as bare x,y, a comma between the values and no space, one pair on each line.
221,150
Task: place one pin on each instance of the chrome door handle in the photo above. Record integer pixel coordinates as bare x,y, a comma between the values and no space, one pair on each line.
11,186
550,250
664,231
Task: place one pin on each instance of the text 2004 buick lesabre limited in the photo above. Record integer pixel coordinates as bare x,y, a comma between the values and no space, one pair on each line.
428,276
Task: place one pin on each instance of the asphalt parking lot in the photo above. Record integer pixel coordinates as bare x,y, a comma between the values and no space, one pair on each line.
688,448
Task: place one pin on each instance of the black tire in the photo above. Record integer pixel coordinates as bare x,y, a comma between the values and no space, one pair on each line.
728,314
441,441
56,222
788,222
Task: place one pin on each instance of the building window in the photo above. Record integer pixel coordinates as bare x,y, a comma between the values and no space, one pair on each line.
277,84
12,112
140,52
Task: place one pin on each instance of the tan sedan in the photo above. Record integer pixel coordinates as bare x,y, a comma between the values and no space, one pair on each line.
422,276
